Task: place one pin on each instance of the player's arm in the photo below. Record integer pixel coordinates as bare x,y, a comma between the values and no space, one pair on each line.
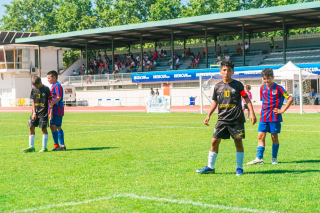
289,103
58,91
34,114
213,108
249,104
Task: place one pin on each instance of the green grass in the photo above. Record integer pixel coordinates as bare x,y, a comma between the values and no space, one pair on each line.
156,155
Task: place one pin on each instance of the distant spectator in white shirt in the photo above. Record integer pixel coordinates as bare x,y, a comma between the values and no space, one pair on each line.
246,48
138,58
218,58
160,50
227,58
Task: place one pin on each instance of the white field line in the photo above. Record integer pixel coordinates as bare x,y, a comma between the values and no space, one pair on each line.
133,196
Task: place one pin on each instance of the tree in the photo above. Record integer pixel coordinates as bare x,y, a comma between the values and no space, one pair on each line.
165,9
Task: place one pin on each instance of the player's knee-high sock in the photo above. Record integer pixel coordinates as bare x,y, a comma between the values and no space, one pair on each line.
61,137
55,138
240,156
45,141
212,159
260,151
275,149
31,140
248,114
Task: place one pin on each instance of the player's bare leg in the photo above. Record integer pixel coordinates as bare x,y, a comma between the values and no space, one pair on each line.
260,149
215,145
240,156
275,148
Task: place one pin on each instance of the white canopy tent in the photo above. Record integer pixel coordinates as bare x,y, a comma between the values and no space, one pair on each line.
292,72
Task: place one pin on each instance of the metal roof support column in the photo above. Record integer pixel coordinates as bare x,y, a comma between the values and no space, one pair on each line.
87,56
58,62
81,53
206,38
284,41
39,62
184,44
141,53
172,50
155,46
243,40
112,49
215,44
129,49
249,40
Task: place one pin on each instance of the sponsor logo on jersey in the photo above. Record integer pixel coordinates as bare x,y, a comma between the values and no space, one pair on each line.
274,92
241,133
233,91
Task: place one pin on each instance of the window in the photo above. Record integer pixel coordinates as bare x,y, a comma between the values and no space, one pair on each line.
133,86
94,88
79,88
68,91
187,84
148,86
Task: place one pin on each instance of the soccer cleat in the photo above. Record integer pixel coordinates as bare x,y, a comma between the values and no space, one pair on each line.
63,148
30,149
274,161
44,150
206,170
255,161
239,171
56,148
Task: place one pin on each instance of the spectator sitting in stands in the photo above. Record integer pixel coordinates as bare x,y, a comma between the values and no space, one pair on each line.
154,63
238,50
218,59
106,68
177,62
313,97
223,57
74,73
131,65
148,65
241,48
196,62
160,50
192,61
246,48
199,55
189,52
164,55
83,70
151,65
116,68
185,55
99,57
105,54
138,58
218,52
226,49
149,55
227,58
203,52
155,55
175,55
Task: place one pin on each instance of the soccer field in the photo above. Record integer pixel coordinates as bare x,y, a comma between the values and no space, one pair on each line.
138,162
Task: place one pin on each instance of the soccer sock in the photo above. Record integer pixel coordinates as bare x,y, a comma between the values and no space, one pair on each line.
31,140
248,114
61,137
45,141
55,138
240,156
212,159
275,149
260,151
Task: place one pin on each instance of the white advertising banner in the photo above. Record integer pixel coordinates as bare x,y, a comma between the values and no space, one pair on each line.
158,104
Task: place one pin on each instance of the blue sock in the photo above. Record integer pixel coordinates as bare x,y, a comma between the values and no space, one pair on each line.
240,156
275,149
260,151
61,137
55,138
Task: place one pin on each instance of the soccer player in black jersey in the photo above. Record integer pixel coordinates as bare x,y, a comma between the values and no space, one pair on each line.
227,97
40,96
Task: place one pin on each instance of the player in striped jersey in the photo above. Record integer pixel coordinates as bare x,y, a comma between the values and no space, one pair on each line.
56,111
272,96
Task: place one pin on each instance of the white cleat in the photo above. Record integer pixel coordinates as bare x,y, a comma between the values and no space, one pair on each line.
274,161
255,161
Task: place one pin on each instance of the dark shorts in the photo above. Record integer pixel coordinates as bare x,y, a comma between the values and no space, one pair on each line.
224,131
56,120
272,46
41,122
245,106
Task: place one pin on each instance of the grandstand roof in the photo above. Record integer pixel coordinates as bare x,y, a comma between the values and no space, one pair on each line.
7,37
255,20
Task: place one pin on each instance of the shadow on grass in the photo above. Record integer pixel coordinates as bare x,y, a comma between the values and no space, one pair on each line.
92,148
282,171
303,161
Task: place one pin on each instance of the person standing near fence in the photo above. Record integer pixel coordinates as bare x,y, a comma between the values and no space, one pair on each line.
245,106
152,92
157,92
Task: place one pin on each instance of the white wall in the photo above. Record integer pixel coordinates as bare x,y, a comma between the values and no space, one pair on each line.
22,86
48,60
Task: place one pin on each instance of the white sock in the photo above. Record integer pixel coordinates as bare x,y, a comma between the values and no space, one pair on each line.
45,140
240,156
31,140
212,159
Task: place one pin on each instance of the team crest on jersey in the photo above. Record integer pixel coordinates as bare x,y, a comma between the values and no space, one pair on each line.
43,94
233,91
274,92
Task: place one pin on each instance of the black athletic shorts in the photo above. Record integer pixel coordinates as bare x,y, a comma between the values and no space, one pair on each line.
224,131
245,106
41,122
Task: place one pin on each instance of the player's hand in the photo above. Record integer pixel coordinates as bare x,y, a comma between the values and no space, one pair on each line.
51,105
277,111
253,119
50,116
206,121
34,117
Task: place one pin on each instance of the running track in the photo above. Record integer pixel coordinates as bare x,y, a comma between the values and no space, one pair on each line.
174,109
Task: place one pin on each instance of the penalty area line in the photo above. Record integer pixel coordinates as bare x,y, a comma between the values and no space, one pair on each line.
133,196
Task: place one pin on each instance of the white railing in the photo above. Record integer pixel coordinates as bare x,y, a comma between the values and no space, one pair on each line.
96,79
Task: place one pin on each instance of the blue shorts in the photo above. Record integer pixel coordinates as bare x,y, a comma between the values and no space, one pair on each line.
271,127
57,120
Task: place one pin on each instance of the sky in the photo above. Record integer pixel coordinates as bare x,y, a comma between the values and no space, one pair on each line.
2,8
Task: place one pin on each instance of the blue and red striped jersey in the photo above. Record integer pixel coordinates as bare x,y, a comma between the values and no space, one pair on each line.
57,91
272,98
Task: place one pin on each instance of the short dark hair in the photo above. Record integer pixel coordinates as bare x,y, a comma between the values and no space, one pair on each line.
267,72
228,63
53,73
36,80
